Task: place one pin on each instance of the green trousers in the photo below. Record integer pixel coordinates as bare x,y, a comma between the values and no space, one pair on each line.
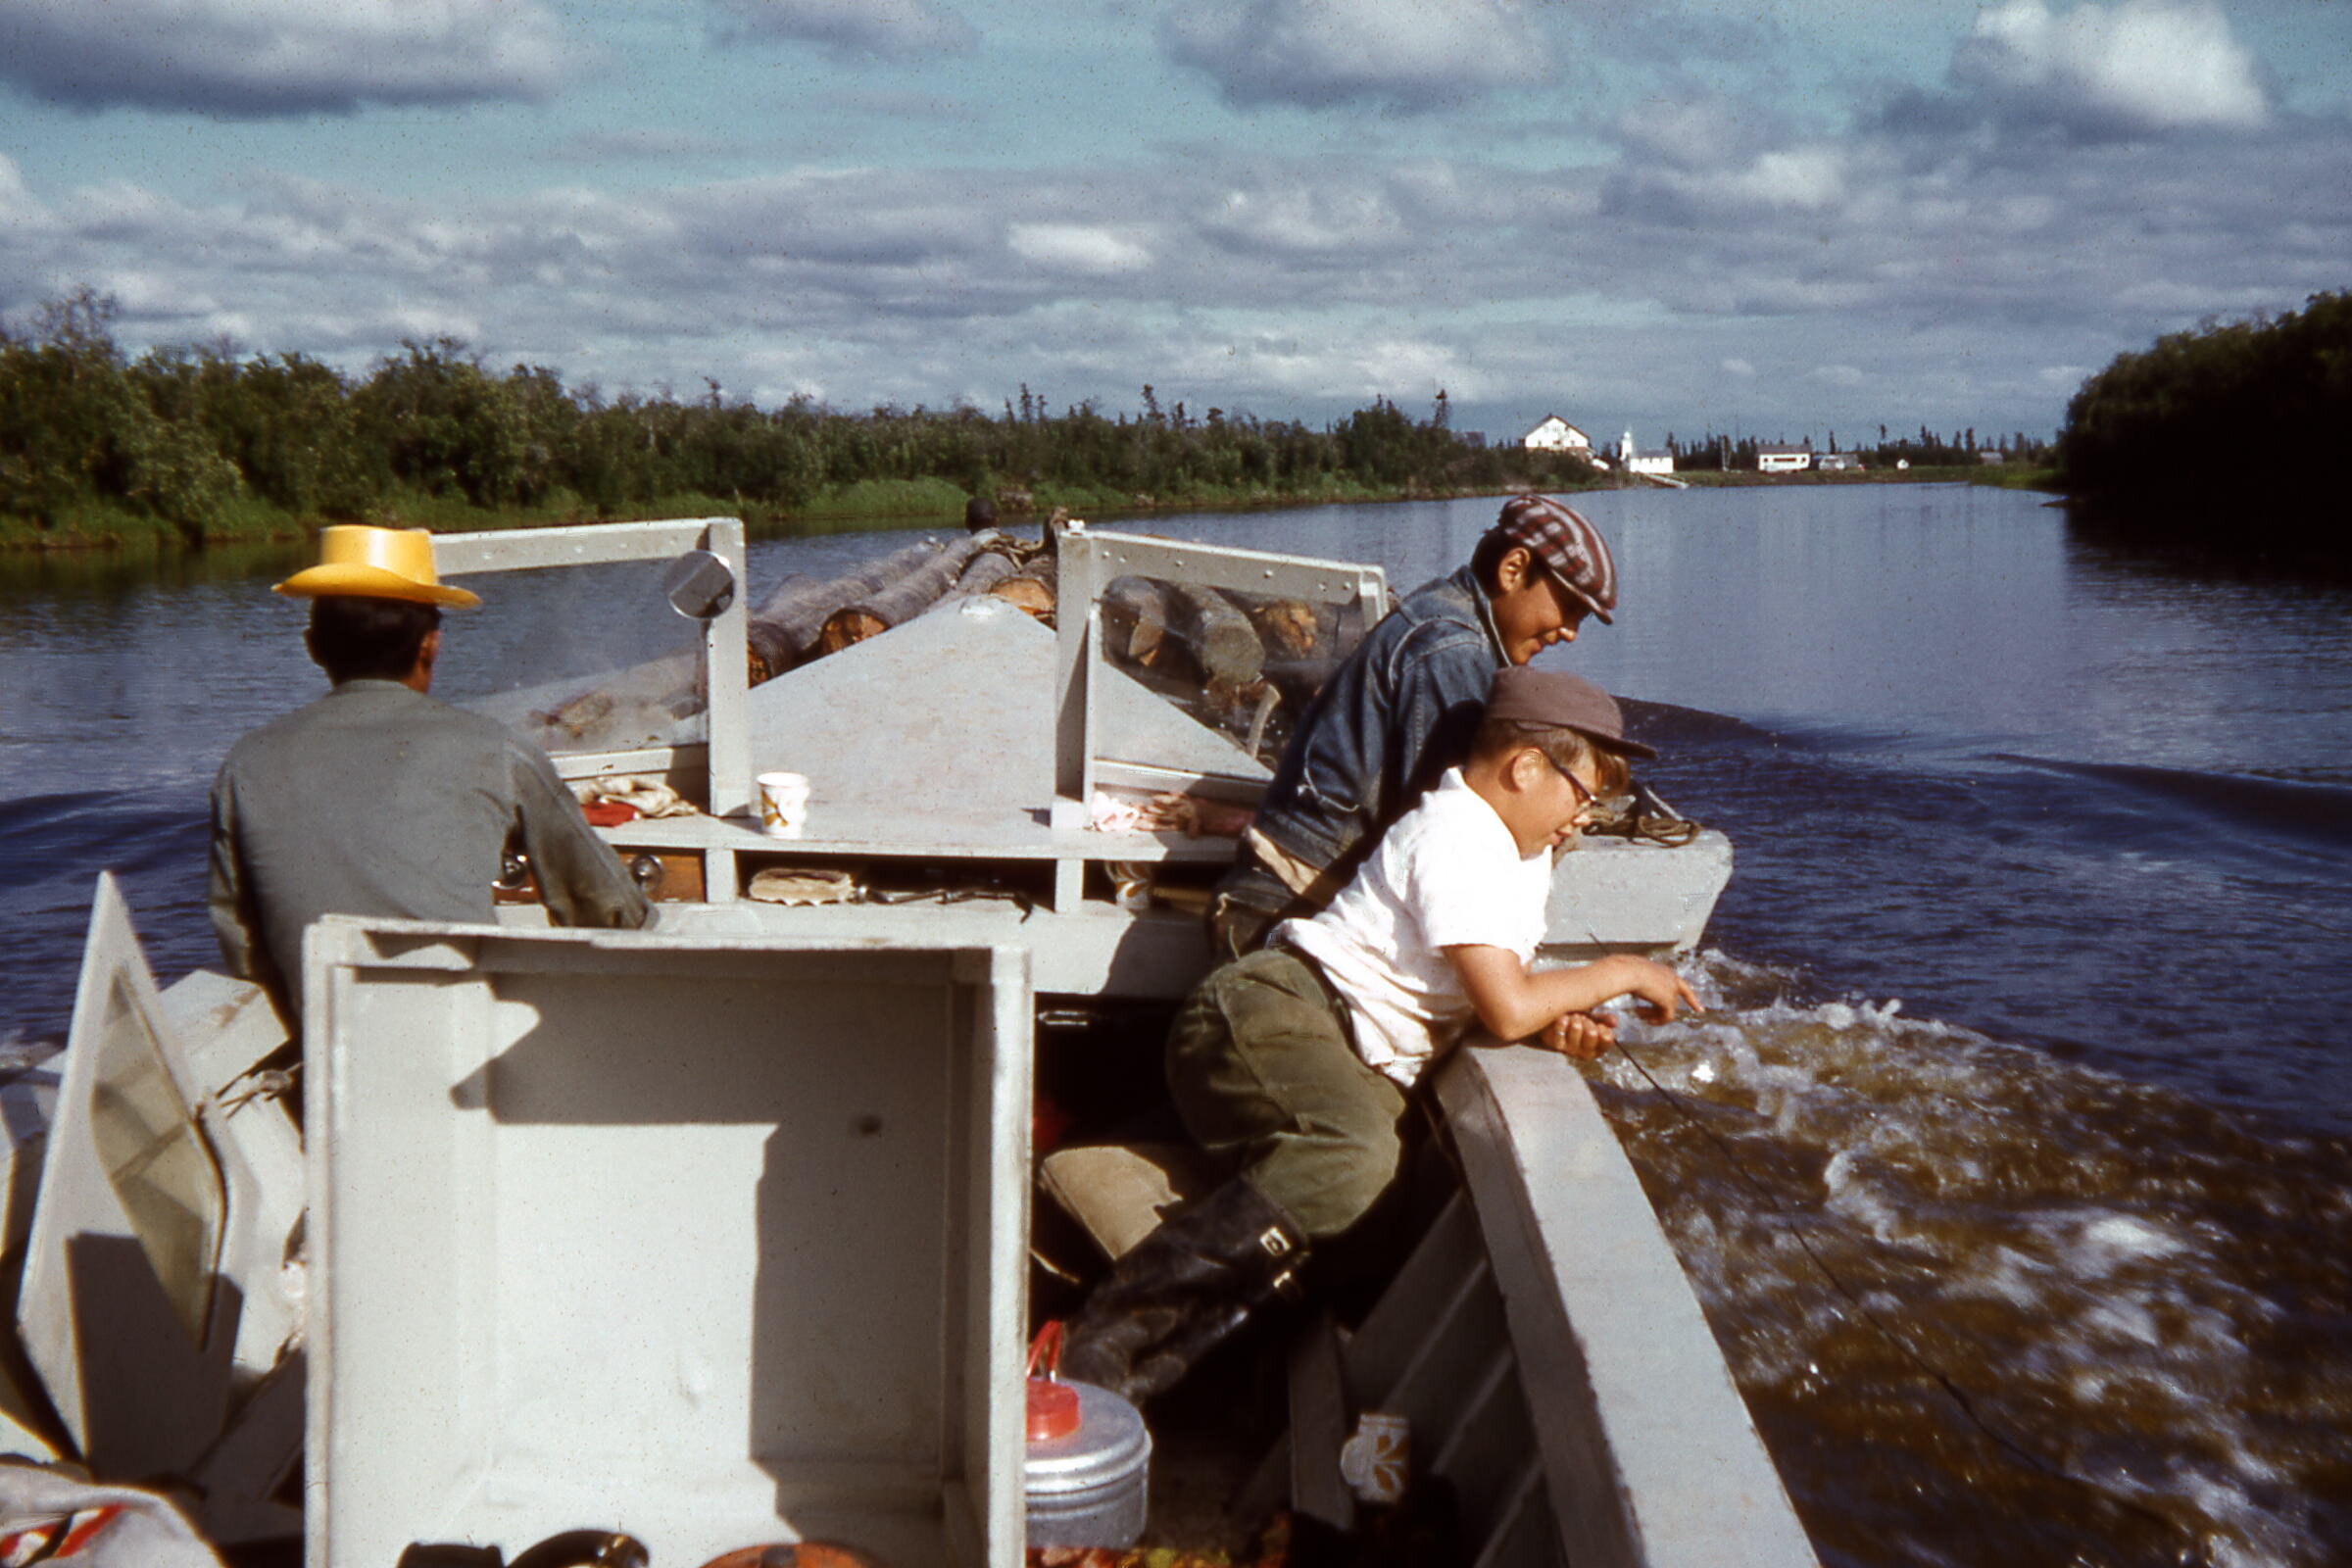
1265,1079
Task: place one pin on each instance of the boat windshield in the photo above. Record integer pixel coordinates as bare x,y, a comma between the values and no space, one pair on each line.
1245,664
1237,642
580,659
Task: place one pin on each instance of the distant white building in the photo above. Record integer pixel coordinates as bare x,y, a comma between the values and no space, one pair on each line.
1783,459
1557,434
1635,460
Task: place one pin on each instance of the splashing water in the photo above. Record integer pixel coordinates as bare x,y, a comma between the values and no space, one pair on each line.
1990,1307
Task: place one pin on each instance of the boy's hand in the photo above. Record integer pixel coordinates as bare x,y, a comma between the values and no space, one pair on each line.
1514,1005
1656,990
1581,1036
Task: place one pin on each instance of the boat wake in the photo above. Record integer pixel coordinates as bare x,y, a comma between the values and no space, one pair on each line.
2312,814
1989,1306
155,839
2165,924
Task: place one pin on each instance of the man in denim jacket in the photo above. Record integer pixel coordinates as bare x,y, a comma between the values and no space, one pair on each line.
1402,709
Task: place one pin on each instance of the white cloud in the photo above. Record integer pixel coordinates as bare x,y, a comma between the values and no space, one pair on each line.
1077,248
1408,54
283,56
1306,218
18,208
1355,370
891,29
1291,288
1807,178
1695,132
2135,67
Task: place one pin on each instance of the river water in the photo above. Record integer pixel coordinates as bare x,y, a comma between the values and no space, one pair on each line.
2011,1159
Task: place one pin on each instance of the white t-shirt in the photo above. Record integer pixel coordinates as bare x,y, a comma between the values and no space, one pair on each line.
1448,874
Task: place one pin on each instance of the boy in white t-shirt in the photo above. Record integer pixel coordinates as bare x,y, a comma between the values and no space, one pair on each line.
1291,1063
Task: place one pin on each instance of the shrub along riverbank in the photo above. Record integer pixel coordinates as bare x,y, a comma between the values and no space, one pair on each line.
2224,438
192,446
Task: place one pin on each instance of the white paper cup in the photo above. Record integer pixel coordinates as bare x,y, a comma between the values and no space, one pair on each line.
1376,1464
783,804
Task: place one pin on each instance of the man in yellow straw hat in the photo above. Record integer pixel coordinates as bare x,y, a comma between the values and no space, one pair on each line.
378,800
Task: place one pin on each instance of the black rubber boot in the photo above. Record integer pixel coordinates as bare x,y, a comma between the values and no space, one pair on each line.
1182,1290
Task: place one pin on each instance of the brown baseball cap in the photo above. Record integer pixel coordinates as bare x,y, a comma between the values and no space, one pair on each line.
1553,699
1570,548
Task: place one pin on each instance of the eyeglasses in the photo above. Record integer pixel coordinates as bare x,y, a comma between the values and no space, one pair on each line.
1586,800
1572,604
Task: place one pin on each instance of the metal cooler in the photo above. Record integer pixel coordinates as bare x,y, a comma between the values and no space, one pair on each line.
713,1240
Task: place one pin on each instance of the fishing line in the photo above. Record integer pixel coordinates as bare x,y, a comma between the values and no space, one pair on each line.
1925,1367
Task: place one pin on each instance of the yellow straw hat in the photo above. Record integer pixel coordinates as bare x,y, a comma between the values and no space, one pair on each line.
375,563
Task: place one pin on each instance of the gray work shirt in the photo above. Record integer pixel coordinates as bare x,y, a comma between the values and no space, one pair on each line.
380,800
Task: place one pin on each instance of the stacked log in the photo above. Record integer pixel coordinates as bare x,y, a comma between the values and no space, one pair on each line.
1290,628
923,573
785,630
1192,635
1031,588
1219,637
991,566
1135,623
769,646
1187,633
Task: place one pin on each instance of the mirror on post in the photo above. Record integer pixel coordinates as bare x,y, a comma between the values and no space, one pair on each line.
700,585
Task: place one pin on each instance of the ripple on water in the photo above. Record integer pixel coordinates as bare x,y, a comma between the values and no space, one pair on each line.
1991,1307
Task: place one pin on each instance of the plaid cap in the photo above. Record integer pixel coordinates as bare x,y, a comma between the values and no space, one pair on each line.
1553,699
1569,546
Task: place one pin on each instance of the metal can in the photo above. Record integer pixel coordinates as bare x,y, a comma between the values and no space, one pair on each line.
1087,1485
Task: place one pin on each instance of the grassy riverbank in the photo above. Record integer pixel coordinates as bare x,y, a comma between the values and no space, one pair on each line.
194,448
201,446
102,528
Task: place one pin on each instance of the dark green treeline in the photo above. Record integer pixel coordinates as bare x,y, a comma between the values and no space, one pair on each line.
2227,436
1925,450
198,443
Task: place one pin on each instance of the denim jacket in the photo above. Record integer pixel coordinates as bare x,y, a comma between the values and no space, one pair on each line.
1395,716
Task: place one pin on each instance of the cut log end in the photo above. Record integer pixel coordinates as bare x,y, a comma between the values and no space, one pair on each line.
1028,594
847,628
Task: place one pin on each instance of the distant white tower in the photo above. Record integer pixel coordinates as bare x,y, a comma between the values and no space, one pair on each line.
1625,448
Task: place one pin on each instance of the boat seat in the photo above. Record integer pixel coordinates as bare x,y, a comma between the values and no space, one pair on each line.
1117,1192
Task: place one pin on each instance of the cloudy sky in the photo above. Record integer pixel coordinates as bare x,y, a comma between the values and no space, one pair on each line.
1775,217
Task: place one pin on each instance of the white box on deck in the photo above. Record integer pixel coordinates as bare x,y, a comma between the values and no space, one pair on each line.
713,1241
